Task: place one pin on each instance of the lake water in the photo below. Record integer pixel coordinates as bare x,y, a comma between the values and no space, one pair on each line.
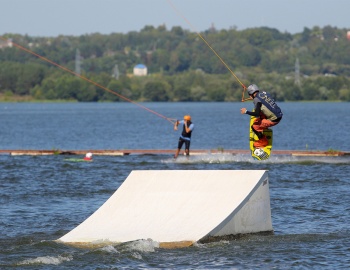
44,197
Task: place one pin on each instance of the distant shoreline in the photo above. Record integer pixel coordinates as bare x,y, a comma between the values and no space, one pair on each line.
30,99
20,99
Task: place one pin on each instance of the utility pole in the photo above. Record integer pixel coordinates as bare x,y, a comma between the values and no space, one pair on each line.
115,72
297,72
77,62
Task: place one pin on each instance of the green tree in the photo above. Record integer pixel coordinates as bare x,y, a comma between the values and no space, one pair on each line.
156,91
29,75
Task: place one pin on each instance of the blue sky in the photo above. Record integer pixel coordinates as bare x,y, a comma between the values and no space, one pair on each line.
79,17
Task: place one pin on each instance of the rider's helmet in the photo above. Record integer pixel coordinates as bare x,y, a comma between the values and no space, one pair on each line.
187,118
252,89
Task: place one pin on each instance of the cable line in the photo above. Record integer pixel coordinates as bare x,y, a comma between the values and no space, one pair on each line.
207,43
171,120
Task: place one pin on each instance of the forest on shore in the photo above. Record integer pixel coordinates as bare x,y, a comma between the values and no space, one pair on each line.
312,65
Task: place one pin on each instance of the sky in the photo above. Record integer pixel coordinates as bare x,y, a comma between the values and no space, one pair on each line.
50,18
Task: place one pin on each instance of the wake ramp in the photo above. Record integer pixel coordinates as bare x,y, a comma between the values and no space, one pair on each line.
179,207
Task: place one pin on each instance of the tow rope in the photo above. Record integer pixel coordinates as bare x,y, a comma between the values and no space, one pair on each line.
207,43
171,120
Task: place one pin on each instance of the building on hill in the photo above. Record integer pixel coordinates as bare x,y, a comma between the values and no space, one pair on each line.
6,44
140,70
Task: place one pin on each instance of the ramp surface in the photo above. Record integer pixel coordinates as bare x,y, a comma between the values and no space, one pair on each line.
174,206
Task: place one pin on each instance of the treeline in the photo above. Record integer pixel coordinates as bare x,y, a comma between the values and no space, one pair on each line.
312,65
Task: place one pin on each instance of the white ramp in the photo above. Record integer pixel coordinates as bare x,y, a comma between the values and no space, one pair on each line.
179,207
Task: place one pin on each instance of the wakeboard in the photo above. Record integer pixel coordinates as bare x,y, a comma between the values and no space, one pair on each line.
259,153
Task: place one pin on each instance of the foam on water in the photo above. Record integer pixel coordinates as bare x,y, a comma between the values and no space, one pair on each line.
274,159
143,245
49,260
109,249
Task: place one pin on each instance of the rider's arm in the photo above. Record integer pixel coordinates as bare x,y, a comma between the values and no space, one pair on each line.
257,110
189,128
176,124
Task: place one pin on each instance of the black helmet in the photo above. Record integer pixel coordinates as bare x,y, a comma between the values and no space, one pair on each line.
252,89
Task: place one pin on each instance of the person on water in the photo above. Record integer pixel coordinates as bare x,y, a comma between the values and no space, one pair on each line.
266,111
185,137
88,156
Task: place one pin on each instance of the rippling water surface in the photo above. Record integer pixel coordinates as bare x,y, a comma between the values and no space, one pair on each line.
44,197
